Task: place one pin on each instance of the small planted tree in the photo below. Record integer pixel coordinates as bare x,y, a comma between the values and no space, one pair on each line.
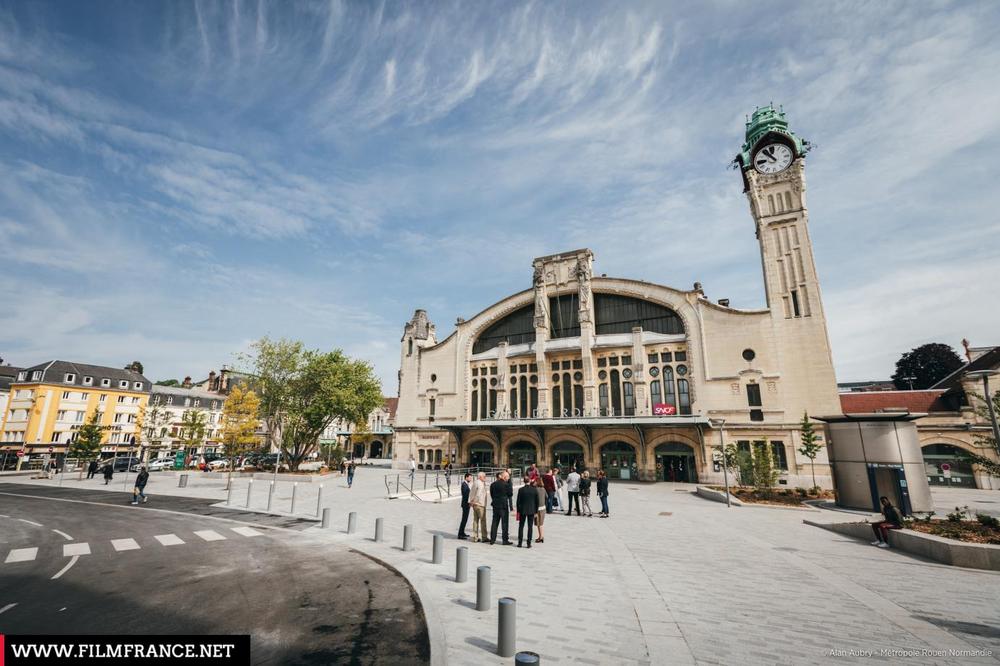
810,447
192,432
239,425
765,472
156,420
86,444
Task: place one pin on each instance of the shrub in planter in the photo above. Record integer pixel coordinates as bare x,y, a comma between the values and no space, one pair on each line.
987,520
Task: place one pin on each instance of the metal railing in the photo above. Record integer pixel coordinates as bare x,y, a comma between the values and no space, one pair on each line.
441,480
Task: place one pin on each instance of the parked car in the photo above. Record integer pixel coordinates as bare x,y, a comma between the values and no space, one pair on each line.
122,463
161,464
218,463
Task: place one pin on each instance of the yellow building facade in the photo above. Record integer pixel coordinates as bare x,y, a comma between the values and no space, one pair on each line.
49,402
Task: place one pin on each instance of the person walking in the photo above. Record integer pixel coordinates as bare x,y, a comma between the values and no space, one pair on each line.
477,498
466,491
109,472
413,471
350,475
141,479
91,469
527,508
585,494
893,521
549,485
540,516
533,473
501,502
559,485
602,492
573,489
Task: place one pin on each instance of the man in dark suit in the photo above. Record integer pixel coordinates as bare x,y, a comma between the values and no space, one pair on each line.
527,507
466,488
501,501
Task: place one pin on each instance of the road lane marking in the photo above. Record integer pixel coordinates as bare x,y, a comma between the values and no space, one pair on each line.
6,608
73,549
209,535
169,539
63,534
66,568
124,544
31,522
246,531
21,555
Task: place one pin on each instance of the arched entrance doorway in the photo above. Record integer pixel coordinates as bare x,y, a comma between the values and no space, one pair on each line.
481,454
947,465
618,461
520,455
675,462
567,455
359,450
376,449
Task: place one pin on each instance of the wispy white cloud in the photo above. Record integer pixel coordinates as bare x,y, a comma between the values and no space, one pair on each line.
321,169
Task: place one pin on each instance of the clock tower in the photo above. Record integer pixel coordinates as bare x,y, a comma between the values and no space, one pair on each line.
772,162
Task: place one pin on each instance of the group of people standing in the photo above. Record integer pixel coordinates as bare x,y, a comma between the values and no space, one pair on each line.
540,495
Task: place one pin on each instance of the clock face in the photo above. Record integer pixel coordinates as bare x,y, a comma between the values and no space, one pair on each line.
772,158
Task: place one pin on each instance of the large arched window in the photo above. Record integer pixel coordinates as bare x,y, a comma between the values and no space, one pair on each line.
620,314
516,328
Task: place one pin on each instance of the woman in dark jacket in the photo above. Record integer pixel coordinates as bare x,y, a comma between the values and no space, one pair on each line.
527,507
602,492
109,472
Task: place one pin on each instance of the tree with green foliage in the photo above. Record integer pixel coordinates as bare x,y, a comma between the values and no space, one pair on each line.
302,391
765,471
239,425
168,382
86,442
927,364
135,366
156,422
192,429
810,445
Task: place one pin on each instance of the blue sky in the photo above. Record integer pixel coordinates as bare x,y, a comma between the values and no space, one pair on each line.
179,178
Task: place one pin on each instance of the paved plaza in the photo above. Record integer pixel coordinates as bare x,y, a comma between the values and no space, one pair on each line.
669,578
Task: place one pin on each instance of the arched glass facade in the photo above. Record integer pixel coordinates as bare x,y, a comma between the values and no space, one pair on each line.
620,314
516,328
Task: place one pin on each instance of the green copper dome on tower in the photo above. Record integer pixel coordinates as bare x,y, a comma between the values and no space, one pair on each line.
768,120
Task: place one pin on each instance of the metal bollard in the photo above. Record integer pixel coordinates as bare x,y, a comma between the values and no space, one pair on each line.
182,481
438,549
249,490
527,658
270,496
461,564
319,498
326,519
483,588
407,537
352,522
506,627
378,530
295,486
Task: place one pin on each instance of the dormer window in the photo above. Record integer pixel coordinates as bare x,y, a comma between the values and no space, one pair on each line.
123,383
88,381
105,382
170,399
21,376
69,378
138,386
36,375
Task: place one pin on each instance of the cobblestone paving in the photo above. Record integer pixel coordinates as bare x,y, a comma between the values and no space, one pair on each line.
704,584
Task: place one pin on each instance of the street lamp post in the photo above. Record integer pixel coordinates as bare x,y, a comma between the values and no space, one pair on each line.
718,423
986,374
910,380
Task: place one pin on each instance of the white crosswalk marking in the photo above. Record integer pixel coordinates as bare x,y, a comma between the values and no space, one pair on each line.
71,549
247,531
169,539
209,535
21,555
124,544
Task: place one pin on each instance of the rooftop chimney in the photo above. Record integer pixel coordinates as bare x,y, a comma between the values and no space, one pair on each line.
187,382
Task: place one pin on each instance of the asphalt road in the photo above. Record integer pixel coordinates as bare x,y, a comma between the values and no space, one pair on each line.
138,571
